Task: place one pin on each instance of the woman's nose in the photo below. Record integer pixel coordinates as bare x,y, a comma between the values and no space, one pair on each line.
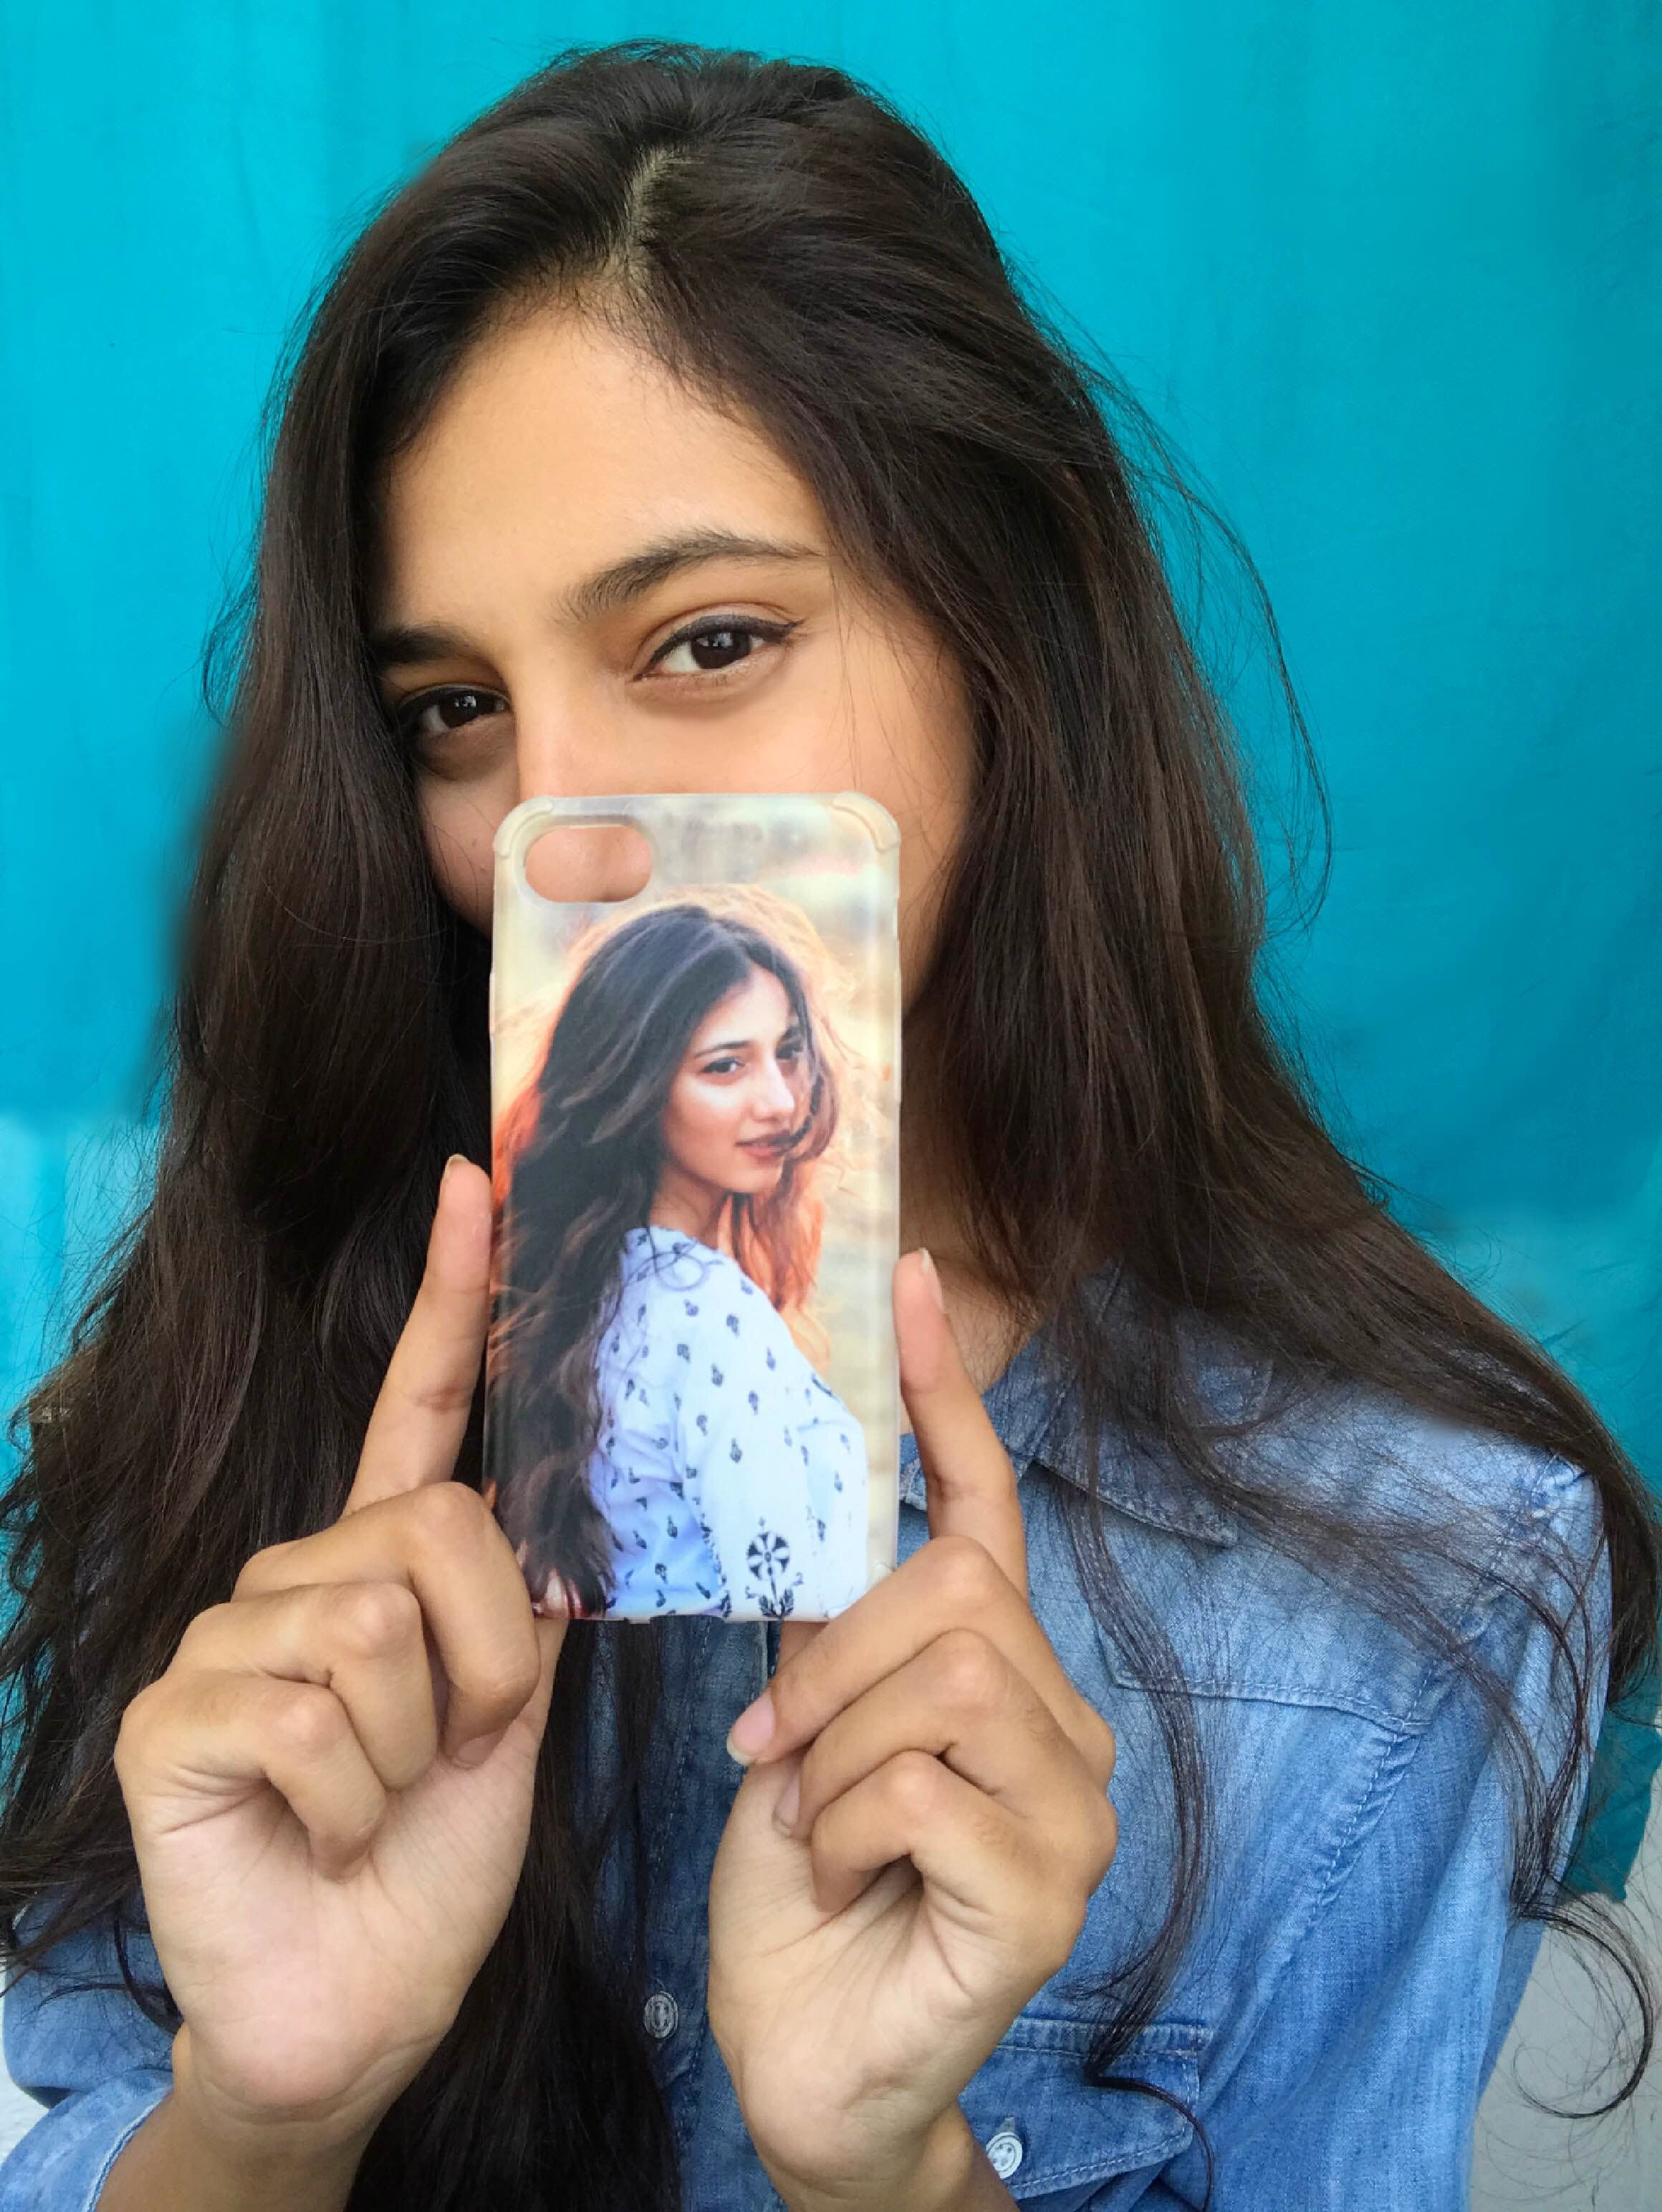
776,1097
565,744
551,760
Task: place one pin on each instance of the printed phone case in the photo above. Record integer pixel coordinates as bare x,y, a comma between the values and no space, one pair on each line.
691,1401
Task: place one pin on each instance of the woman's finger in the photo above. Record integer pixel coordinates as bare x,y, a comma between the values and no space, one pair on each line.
420,1414
970,1484
961,1701
365,1641
185,1733
982,1867
948,1583
442,1542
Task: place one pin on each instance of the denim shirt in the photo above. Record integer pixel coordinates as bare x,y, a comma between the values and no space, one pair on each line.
1353,1971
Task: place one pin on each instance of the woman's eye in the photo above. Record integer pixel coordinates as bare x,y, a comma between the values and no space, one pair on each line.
717,646
456,705
727,1066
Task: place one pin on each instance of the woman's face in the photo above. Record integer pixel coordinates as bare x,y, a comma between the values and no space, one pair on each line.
557,613
740,1093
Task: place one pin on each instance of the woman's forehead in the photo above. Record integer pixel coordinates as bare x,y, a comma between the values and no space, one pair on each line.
760,1007
558,447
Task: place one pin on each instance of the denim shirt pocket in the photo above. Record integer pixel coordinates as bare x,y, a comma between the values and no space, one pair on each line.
1053,2138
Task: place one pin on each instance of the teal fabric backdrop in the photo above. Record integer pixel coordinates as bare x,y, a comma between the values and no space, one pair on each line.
1389,276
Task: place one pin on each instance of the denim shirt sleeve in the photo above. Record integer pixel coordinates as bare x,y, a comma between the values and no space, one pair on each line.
91,2057
1373,2037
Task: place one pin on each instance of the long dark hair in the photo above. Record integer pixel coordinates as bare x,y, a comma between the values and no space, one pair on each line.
578,1159
1104,1077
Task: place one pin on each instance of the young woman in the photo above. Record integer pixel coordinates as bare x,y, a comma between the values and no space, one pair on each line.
680,1450
679,427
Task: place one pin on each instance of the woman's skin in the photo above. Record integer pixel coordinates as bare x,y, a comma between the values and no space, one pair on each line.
739,1093
329,1825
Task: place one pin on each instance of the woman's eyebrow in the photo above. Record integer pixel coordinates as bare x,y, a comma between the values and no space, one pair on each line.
740,1044
637,572
404,645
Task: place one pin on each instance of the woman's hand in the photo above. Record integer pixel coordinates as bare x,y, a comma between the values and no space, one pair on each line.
330,1787
943,1790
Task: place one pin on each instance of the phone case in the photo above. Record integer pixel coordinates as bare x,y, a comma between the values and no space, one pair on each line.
691,1398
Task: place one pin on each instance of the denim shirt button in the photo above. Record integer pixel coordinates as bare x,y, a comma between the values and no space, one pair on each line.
1005,2149
661,2013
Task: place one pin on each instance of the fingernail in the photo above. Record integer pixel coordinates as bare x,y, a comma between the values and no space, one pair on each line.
450,1163
933,1276
790,1805
752,1731
478,1748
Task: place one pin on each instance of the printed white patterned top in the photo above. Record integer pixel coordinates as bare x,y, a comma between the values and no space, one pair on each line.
732,1476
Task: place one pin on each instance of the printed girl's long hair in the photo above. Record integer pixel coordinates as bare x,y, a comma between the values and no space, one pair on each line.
1106,1079
578,1160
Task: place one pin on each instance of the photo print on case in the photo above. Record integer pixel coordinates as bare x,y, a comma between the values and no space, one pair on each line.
691,1400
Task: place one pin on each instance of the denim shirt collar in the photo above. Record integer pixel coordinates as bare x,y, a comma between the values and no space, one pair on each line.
1041,1424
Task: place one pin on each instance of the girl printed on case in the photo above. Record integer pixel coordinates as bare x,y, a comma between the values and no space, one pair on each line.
660,1436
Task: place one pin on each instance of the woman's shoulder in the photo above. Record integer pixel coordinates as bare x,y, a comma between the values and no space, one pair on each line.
1260,1603
1476,1527
713,1300
654,1253
1368,1450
